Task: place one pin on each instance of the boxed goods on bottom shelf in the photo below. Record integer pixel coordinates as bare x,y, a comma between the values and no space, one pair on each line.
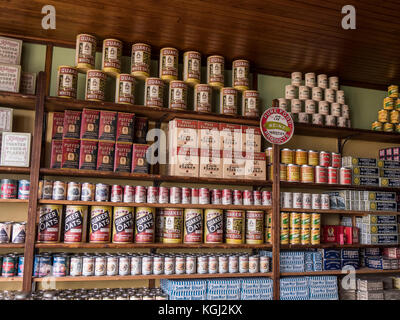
309,288
386,259
219,289
379,229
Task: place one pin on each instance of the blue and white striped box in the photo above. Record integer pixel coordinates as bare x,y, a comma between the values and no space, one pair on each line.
317,257
318,266
350,254
250,284
308,256
330,253
332,264
308,266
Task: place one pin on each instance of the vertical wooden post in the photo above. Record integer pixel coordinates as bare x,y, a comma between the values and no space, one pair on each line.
48,66
34,179
276,204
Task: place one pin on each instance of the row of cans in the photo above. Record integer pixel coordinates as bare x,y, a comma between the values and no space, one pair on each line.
300,228
12,232
74,191
300,200
14,189
146,225
63,264
310,157
12,265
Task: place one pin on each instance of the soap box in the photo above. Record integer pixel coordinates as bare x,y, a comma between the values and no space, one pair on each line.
56,154
139,159
28,83
72,124
58,126
125,127
6,119
123,157
10,77
90,124
108,126
70,153
10,50
88,154
105,156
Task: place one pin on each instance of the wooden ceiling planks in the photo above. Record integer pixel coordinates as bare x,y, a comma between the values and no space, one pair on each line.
277,36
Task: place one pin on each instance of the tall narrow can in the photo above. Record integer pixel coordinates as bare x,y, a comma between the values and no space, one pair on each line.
214,226
234,226
123,225
193,226
173,220
144,225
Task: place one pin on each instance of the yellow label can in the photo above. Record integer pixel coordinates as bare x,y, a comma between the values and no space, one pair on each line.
234,226
301,157
287,156
315,236
268,235
215,71
168,64
213,226
112,53
306,220
393,91
388,127
173,225
85,52
305,237
377,126
294,236
394,116
192,67
388,103
285,236
140,60
295,220
285,220
193,226
254,227
293,173
383,116
315,220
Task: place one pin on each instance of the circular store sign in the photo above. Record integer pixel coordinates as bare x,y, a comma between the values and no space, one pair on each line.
276,126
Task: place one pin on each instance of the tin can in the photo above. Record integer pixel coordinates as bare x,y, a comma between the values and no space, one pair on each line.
297,200
102,192
20,269
240,74
228,101
244,263
322,80
193,226
8,267
173,220
287,199
294,236
233,264
388,127
152,194
290,92
315,221
237,197
315,236
377,126
266,198
202,264
144,225
313,158
394,116
100,265
123,225
226,196
75,266
303,117
336,160
296,78
175,195
257,197
293,173
85,52
177,95
296,106
45,190
112,265
333,175
325,204
8,189
324,159
202,98
301,157
310,79
125,89
5,232
154,92
169,265
186,195
393,91
295,220
254,227
95,85
235,226
140,194
317,94
321,174
73,191
214,226
168,64
248,198
87,266
305,220
284,236
23,189
147,265
317,119
215,71
124,267
112,52
59,190
304,93
49,223
287,156
316,201
305,236
330,120
334,83
342,122
383,115
100,224
250,104
67,82
45,265
212,264
310,106
223,264
264,264
388,103
129,193
163,195
75,223
330,95
140,60
216,196
307,174
158,265
345,176
204,196
18,232
116,193
285,220
88,191
190,264
307,200
323,107
335,109
192,67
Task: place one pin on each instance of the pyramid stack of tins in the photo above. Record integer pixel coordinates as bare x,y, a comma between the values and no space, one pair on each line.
389,116
300,228
124,224
309,166
317,100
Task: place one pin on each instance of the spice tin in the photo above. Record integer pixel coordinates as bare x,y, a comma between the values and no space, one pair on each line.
154,92
136,265
85,52
266,198
345,176
192,67
88,191
168,64
123,225
5,232
240,74
333,175
233,264
307,200
18,232
307,174
250,104
163,195
125,89
95,85
116,193
124,266
173,220
293,173
144,225
140,194
202,264
67,82
254,227
102,192
214,226
140,60
75,223
287,156
177,95
88,266
49,223
228,101
100,224
215,71
202,98
235,226
9,188
186,195
112,52
321,174
73,191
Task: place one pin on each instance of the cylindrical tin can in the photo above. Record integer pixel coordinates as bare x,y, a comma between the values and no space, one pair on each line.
102,192
394,116
345,176
235,227
140,60
321,174
122,225
158,265
240,74
307,174
296,78
336,160
202,264
345,111
169,265
284,236
296,106
383,116
202,98
310,79
144,225
287,156
285,220
168,64
254,227
266,198
301,157
316,201
226,196
287,199
49,223
244,263
67,83
129,194
204,196
313,158
333,176
293,173
257,197
112,265
100,265
95,85
237,197
45,190
152,194
315,221
294,236
233,264
295,220
100,224
190,264
193,226
310,106
304,93
175,195
290,92
324,159
147,265
186,195
283,104
377,126
5,232
173,220
388,127
330,95
336,110
159,227
8,189
315,236
322,80
177,95
340,98
264,264
307,199
8,267
305,220
323,107
334,83
212,264
317,119
112,52
75,223
214,226
393,91
248,198
330,120
250,104
223,264
305,236
125,89
297,200
87,266
88,191
59,190
192,67
215,71
154,92
163,195
140,194
85,53
73,191
136,265
317,94
76,266
18,232
228,101
325,203
124,266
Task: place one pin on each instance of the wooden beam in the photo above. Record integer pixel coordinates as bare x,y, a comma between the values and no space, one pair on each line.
276,221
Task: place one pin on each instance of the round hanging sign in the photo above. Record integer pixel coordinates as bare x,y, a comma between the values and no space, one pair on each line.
276,126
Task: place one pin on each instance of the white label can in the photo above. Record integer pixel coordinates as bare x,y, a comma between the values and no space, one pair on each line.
287,200
254,264
190,264
147,265
202,264
212,264
264,264
310,79
233,265
307,201
169,265
325,204
112,265
296,78
244,264
223,264
297,200
290,92
136,265
304,93
322,80
316,201
296,106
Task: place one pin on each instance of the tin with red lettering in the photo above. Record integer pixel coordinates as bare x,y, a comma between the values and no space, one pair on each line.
163,195
266,198
140,194
257,197
116,193
195,195
345,176
186,195
129,194
204,196
336,160
175,195
8,189
321,174
216,196
226,196
152,194
324,159
332,175
237,197
248,198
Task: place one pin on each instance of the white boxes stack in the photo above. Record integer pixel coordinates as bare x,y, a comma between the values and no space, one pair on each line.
379,229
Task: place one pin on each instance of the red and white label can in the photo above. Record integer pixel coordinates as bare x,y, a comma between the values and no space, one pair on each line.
129,194
216,196
226,196
204,196
152,194
163,195
324,159
345,175
266,198
186,196
257,197
321,174
140,194
248,198
175,195
332,175
116,193
195,195
336,160
237,197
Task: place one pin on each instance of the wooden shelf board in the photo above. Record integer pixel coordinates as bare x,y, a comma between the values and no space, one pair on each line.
152,277
11,279
338,272
342,212
325,186
13,201
17,100
152,246
12,245
334,245
14,170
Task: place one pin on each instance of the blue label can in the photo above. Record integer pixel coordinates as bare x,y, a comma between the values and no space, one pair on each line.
59,266
36,265
23,189
45,266
21,260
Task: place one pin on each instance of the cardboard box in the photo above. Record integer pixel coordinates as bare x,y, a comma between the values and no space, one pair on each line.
58,126
123,157
88,154
380,238
255,166
352,235
182,133
10,76
139,159
184,162
125,127
6,119
329,254
105,156
233,165
28,83
231,136
56,154
334,234
251,139
389,173
208,133
365,171
350,161
15,149
10,50
72,124
380,228
140,130
210,163
379,219
378,196
389,182
388,164
90,124
70,153
332,264
380,206
365,181
108,125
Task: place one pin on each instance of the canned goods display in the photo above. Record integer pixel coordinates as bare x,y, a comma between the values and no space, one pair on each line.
192,67
228,101
140,60
234,226
95,85
100,224
203,98
177,95
240,74
75,223
168,64
173,225
154,92
123,225
213,226
144,225
50,217
215,71
67,83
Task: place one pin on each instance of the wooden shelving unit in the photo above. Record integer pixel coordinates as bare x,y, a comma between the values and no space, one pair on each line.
325,186
264,246
12,245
